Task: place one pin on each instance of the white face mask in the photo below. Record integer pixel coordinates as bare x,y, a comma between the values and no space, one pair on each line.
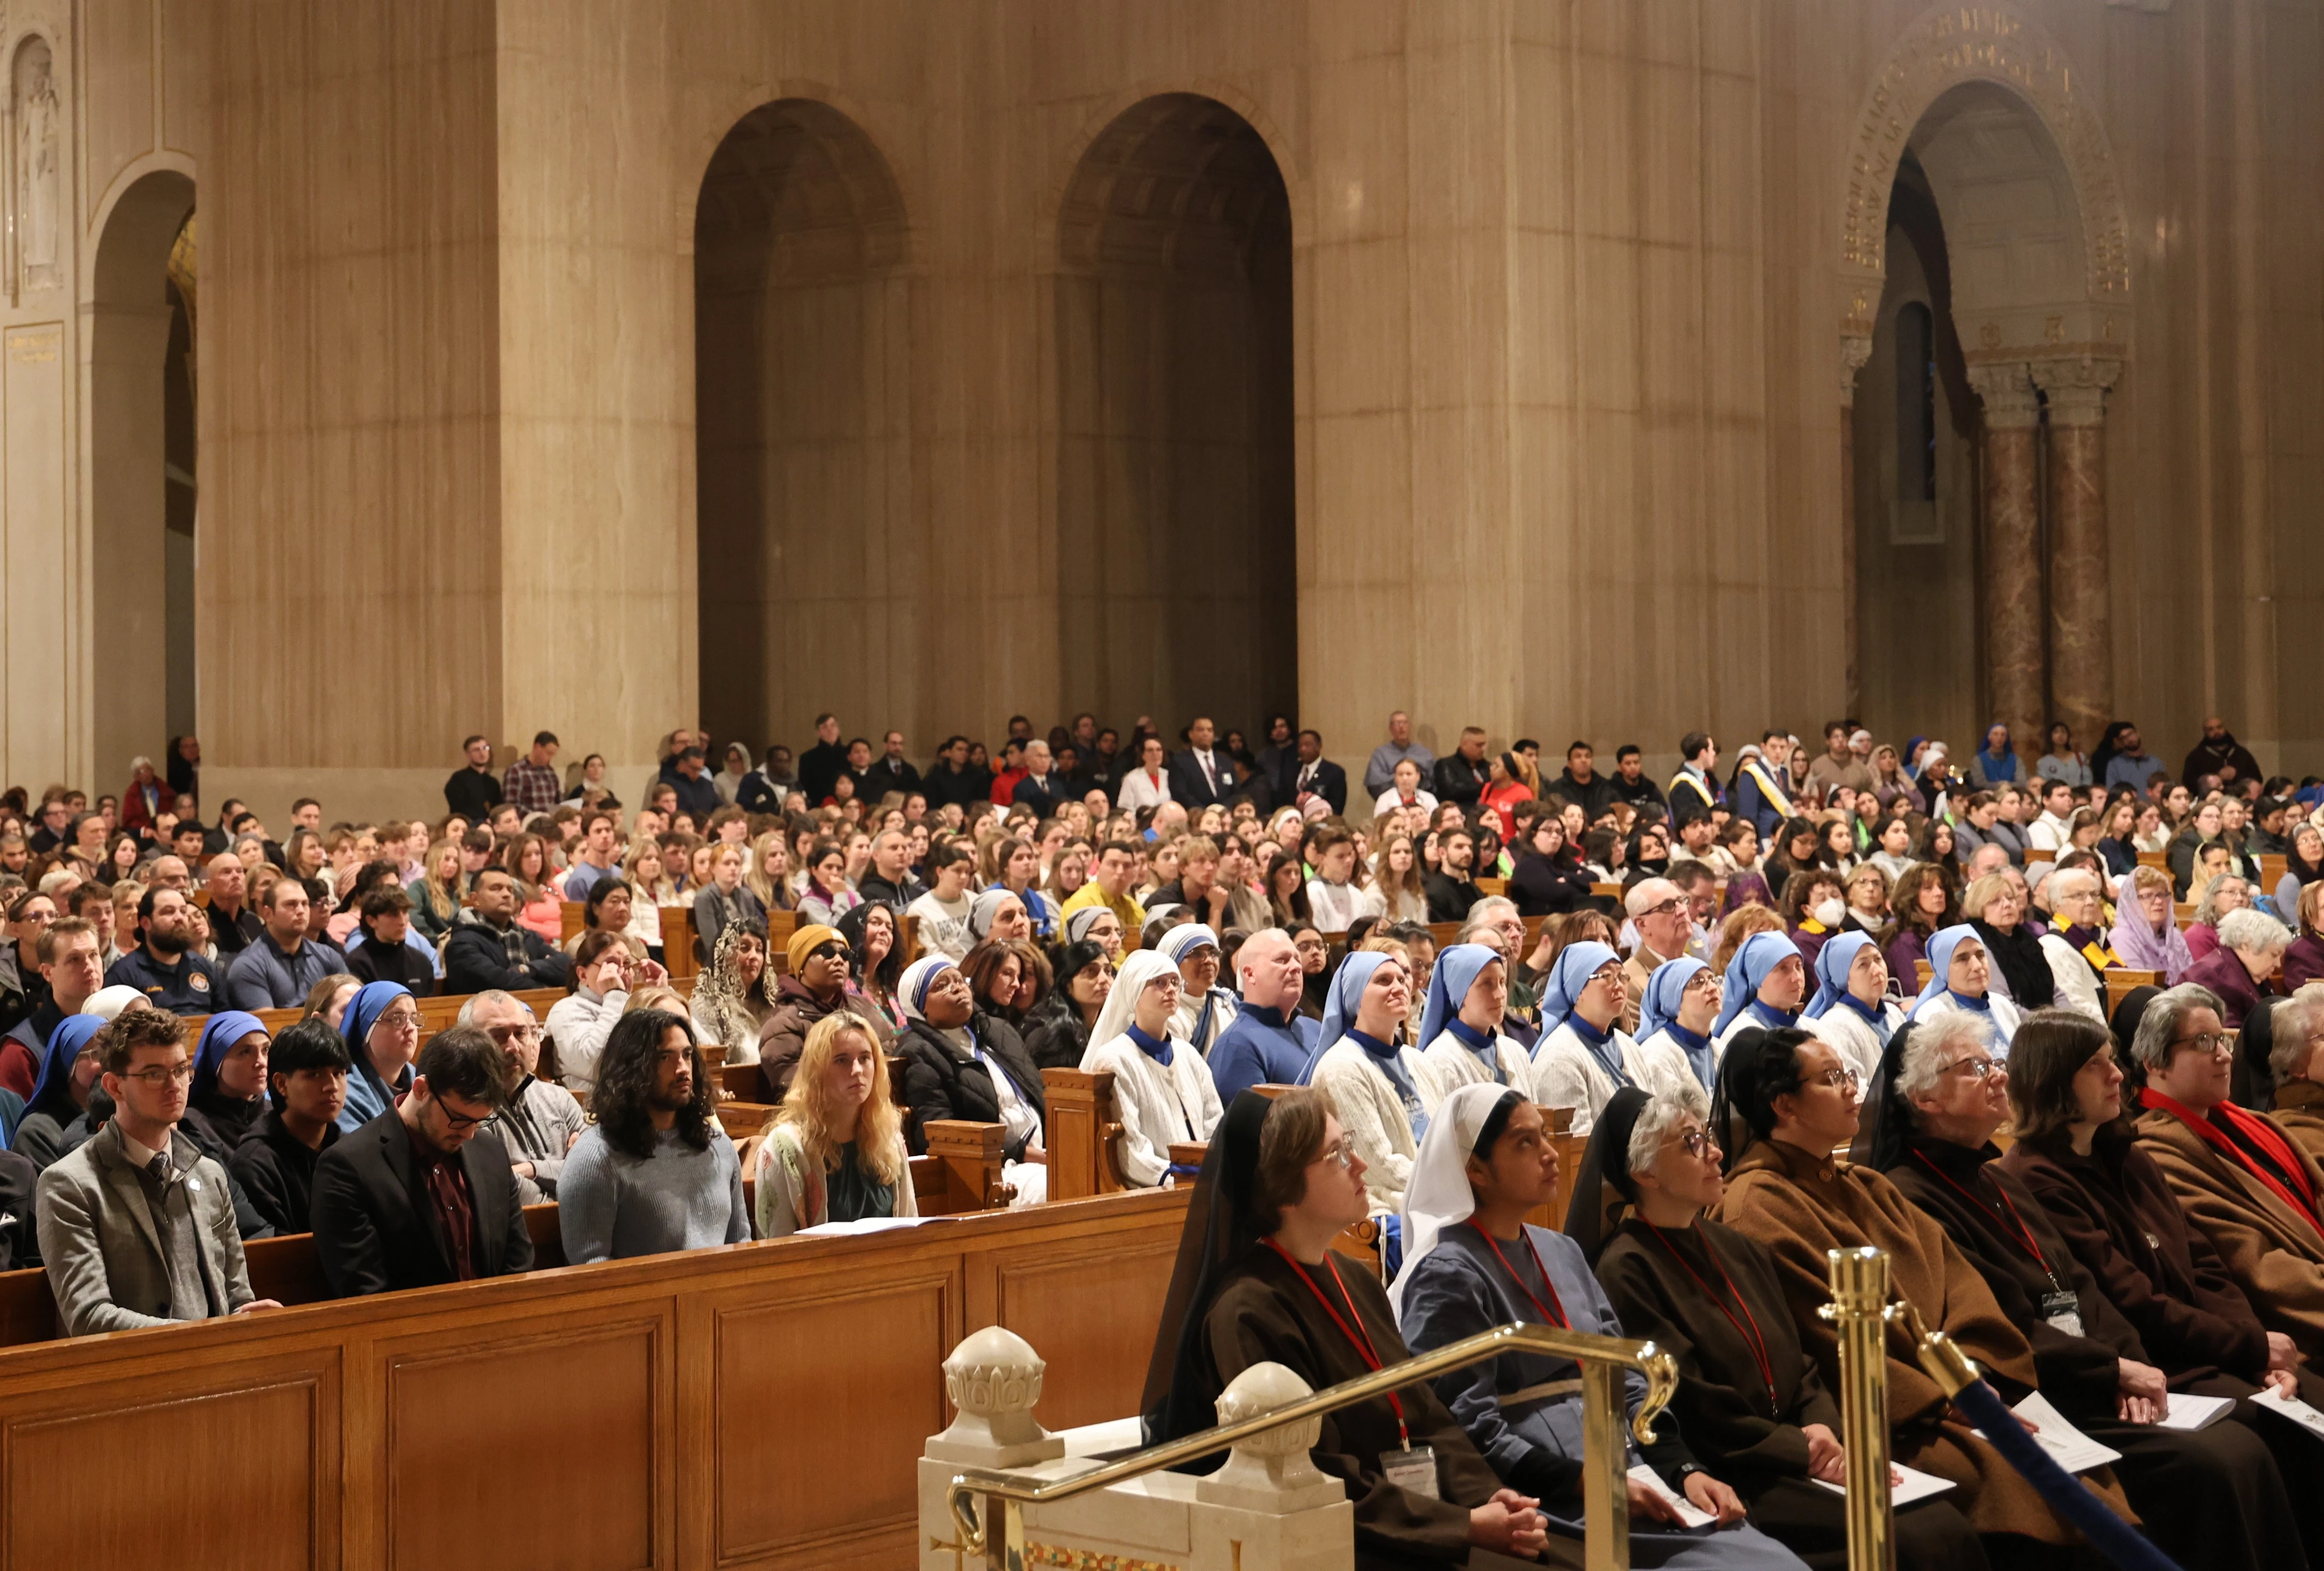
1830,914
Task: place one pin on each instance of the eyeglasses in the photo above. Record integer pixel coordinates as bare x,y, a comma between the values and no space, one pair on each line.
1978,1068
158,1075
400,1020
1339,1153
2213,1043
1836,1080
458,1122
1697,1142
1667,908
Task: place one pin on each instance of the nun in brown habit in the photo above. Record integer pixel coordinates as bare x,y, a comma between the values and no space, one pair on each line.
1258,1282
2212,1498
1790,1102
1750,1402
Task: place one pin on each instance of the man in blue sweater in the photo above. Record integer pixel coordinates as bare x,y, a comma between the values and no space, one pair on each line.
1269,1040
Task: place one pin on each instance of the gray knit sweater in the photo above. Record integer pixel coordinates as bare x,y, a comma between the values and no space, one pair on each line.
610,1205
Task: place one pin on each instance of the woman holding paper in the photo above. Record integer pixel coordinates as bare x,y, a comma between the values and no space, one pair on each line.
1749,1401
2108,1200
2209,1497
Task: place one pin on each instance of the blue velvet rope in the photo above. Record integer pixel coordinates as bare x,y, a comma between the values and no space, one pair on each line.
2115,1539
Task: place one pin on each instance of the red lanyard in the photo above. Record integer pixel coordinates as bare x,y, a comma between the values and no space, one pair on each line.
1752,1338
1358,1337
1555,1316
2016,1222
2261,1134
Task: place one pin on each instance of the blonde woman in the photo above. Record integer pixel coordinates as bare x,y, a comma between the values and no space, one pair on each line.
436,892
1402,896
769,874
835,1152
642,870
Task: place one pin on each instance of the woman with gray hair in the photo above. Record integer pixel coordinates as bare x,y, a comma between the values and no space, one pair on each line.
2251,945
2245,1181
2076,944
2212,1498
1750,1402
2222,892
2295,1027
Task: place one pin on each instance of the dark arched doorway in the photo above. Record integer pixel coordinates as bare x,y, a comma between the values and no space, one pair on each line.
802,327
1176,545
141,470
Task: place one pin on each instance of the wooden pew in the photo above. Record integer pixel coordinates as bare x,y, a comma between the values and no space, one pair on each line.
2272,866
2158,859
1083,1126
315,1421
437,1013
2121,981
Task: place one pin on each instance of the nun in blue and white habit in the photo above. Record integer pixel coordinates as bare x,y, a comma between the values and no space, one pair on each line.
1677,1016
1585,1056
1960,971
1852,1006
1765,985
1461,1036
1382,1093
1474,1262
1205,1014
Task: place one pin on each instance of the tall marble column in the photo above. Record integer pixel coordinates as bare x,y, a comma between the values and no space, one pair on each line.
1855,349
2012,556
2081,628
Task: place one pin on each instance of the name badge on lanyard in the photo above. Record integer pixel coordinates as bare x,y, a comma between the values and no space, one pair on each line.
2063,1312
1414,1469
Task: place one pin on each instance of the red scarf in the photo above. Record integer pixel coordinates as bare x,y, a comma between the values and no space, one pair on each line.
2261,1134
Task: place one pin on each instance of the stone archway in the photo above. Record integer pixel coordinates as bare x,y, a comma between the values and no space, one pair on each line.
802,396
1177,554
140,474
1976,110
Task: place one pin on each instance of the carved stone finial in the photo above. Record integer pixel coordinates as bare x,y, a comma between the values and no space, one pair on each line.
994,1378
1855,349
1271,1472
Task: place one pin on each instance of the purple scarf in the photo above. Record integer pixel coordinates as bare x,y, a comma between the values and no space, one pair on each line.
2144,949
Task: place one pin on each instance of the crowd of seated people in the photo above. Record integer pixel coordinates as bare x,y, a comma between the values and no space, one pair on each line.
1196,921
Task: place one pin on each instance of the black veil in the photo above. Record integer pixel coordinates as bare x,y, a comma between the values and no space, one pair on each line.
1884,1124
1729,1125
1182,1390
1602,1189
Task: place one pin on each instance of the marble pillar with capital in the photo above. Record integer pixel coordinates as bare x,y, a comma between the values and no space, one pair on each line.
2016,670
2081,626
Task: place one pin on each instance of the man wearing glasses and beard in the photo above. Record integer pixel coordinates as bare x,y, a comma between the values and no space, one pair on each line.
422,1194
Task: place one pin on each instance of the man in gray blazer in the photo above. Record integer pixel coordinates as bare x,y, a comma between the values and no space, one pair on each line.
136,1226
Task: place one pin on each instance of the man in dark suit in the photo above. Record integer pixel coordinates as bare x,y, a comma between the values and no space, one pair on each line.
1309,773
394,1200
1463,776
1200,775
1042,788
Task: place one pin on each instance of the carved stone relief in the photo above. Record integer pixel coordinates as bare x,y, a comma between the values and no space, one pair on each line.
39,128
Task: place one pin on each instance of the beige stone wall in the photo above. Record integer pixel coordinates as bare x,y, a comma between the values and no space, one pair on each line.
1567,302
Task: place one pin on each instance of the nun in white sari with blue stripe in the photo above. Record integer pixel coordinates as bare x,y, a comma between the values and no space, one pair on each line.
1460,1035
1162,1086
1585,1056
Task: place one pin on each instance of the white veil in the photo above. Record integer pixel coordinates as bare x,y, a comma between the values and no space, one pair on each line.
1439,1196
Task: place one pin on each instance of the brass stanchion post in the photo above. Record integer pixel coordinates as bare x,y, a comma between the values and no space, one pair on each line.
1858,1311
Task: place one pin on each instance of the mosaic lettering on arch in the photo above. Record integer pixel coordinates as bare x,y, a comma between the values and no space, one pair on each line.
1947,47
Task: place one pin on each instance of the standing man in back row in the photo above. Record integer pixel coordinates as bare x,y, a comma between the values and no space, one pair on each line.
471,791
1200,775
1380,774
